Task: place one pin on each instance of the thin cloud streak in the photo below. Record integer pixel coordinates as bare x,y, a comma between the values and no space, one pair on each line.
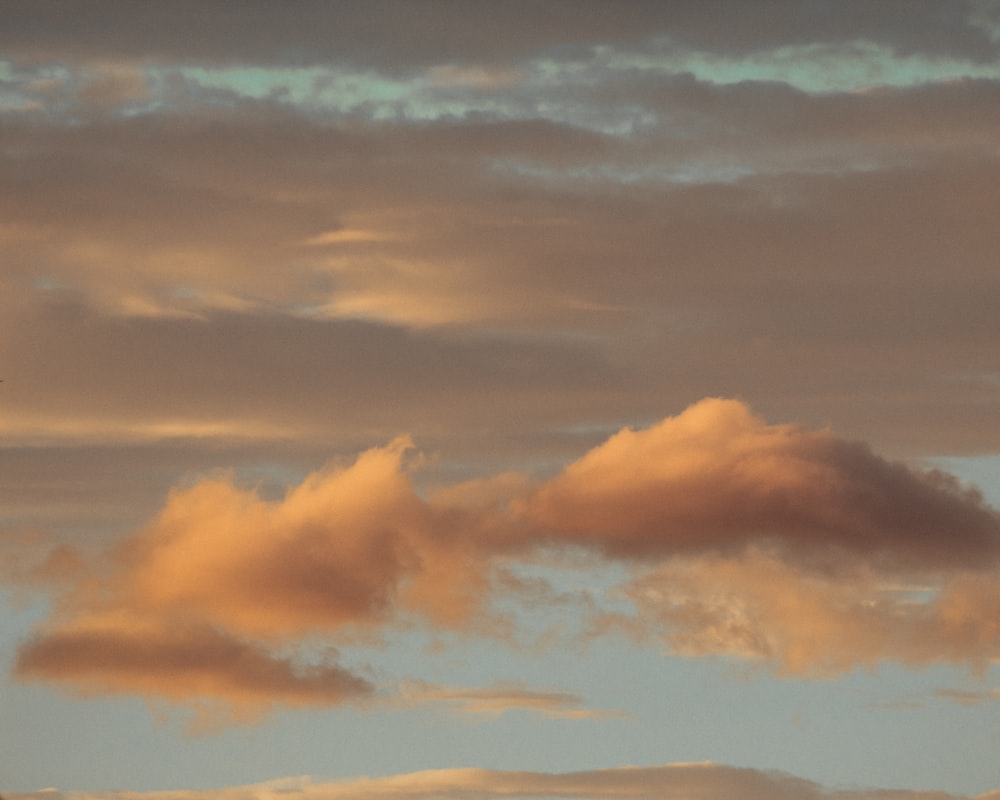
669,782
498,699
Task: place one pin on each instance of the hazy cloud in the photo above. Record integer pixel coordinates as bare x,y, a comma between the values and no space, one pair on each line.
814,623
748,238
967,698
669,782
498,699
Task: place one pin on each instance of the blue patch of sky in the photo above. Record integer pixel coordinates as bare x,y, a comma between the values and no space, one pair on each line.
983,472
544,87
817,68
570,92
313,86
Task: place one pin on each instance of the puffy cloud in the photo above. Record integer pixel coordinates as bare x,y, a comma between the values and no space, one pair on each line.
346,547
716,478
669,782
769,542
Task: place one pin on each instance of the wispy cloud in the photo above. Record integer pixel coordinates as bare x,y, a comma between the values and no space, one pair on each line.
967,698
498,699
669,782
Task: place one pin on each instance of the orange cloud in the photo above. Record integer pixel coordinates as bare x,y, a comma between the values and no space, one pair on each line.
184,662
717,478
773,543
342,548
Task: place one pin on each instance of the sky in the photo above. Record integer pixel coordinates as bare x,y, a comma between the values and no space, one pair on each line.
504,399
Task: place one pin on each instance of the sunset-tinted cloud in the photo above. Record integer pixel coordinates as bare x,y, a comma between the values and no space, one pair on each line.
498,699
222,678
716,477
816,624
776,543
169,225
669,782
344,357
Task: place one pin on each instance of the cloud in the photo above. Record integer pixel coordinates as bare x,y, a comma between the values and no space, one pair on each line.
342,549
774,543
813,624
668,782
344,236
379,34
820,266
219,676
450,76
498,699
717,478
29,558
966,698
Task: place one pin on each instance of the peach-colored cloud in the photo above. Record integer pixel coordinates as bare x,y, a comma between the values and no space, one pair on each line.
202,602
818,624
498,699
773,543
183,662
680,781
718,478
345,547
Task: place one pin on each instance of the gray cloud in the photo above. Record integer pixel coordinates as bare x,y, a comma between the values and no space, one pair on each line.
380,34
782,287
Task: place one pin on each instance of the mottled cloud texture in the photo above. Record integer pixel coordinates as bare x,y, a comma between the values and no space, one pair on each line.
275,223
669,782
787,546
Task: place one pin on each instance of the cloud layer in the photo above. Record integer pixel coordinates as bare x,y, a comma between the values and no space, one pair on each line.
650,199
668,782
776,543
263,238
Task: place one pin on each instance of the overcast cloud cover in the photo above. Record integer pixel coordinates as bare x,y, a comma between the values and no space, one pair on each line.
361,360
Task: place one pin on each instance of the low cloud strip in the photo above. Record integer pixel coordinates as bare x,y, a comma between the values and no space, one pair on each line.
668,782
